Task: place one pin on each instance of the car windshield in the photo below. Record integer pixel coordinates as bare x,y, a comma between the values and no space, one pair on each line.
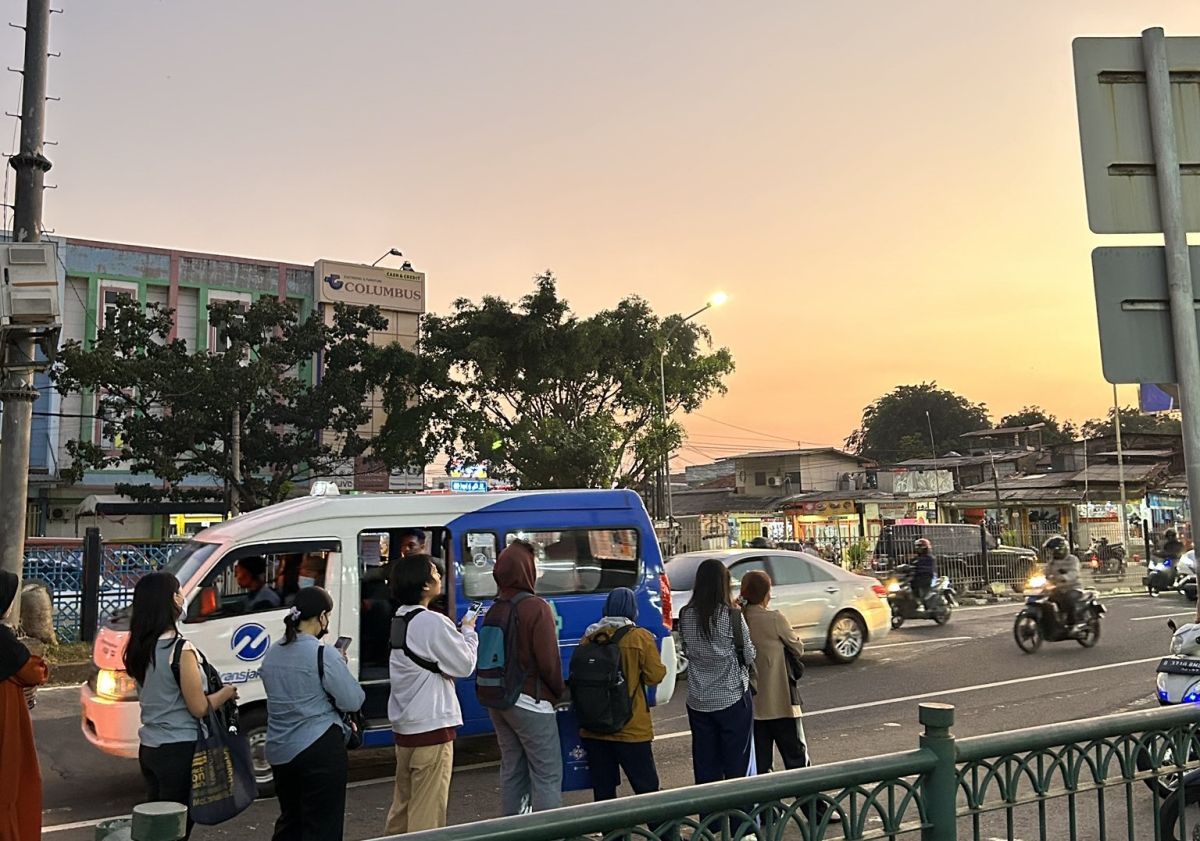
681,570
188,559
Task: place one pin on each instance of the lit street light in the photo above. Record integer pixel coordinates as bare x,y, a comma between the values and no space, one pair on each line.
717,299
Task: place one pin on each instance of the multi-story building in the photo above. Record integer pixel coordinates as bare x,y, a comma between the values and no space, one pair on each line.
94,275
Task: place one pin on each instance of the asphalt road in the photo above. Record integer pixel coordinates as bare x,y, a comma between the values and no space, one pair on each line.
862,710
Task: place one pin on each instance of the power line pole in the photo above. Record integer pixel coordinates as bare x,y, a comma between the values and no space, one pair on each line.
17,356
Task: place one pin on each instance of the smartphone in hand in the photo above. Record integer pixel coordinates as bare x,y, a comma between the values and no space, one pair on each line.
472,613
342,645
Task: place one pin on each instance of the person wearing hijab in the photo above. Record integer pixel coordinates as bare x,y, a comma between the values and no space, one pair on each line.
20,775
629,748
530,758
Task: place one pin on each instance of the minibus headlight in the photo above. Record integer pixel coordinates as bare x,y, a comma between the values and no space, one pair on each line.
116,685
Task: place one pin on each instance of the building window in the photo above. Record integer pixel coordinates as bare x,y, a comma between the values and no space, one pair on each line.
760,478
792,480
217,343
111,292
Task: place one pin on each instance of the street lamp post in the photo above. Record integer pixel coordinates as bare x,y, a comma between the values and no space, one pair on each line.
391,252
716,300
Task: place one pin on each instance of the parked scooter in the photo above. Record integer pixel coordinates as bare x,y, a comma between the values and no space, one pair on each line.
1179,814
1042,621
1107,558
937,605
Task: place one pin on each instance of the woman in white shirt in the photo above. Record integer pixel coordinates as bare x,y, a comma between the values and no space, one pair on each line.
428,654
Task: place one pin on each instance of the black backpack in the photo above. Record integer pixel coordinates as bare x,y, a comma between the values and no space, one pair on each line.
600,691
499,676
399,639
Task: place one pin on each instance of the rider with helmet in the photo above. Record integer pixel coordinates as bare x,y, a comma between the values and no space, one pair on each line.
924,570
1062,578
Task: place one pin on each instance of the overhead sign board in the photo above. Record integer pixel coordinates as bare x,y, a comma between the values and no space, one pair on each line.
389,289
1114,128
469,486
1136,344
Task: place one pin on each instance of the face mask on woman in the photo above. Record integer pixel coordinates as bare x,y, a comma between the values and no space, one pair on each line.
307,581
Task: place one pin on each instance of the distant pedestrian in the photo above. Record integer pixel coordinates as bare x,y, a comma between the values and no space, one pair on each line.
719,653
629,748
306,736
20,775
171,701
428,654
524,719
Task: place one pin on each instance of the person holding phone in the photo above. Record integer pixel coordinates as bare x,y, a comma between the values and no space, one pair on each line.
428,654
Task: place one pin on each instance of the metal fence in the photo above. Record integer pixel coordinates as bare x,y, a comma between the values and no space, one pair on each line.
1093,780
59,565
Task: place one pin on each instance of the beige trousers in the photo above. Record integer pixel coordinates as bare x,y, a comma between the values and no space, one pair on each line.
422,788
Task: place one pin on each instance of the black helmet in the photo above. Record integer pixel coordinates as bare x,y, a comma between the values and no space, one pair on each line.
923,546
1056,547
760,543
1170,534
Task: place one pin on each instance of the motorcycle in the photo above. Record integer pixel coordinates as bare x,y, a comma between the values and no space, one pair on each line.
937,605
1107,558
1179,814
1168,574
1177,682
1042,621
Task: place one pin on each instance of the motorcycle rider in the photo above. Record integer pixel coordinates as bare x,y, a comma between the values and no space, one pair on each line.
1062,578
924,570
1171,551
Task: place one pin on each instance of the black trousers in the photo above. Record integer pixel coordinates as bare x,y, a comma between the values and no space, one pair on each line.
167,771
722,742
784,733
606,760
312,791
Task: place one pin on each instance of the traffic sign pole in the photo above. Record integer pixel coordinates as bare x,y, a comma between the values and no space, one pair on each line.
1179,269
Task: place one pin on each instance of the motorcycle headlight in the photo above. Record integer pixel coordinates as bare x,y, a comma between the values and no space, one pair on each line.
1037,582
1176,645
893,586
1161,681
116,685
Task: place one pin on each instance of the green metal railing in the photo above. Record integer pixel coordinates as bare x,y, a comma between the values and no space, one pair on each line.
1093,780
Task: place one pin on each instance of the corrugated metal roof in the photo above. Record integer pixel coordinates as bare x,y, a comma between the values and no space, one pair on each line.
690,503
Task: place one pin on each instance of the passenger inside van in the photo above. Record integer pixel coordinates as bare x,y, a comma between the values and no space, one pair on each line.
251,575
379,549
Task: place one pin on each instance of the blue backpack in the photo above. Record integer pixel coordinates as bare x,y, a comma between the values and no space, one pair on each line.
499,675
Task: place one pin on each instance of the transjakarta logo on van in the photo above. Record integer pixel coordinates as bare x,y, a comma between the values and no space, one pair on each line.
250,642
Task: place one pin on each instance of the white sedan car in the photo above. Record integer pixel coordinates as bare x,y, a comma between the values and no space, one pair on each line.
832,610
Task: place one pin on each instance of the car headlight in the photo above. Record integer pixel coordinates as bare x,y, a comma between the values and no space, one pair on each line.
116,685
893,586
1176,645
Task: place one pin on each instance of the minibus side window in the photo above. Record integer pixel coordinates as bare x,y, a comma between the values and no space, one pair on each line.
258,579
478,561
583,560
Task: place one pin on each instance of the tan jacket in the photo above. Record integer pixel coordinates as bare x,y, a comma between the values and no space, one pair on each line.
771,633
643,668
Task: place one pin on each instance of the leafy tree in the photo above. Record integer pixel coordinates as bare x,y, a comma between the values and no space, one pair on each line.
1054,433
168,412
552,400
895,427
1132,420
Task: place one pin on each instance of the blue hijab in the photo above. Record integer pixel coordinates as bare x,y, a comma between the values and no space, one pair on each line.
622,602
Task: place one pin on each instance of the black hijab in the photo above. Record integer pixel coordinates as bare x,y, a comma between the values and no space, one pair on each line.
13,655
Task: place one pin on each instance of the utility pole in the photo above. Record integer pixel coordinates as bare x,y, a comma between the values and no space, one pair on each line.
17,357
1121,471
235,455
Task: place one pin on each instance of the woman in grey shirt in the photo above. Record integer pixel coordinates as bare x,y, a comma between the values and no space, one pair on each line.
170,703
719,708
306,737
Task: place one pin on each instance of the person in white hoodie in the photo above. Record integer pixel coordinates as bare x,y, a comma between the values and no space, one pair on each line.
428,654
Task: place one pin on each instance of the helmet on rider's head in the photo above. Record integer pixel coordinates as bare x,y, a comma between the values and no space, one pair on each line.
922,546
1170,534
1056,547
760,543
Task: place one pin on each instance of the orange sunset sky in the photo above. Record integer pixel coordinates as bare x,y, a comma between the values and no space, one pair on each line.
889,192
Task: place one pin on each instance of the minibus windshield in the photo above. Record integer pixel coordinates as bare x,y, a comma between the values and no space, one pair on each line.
188,559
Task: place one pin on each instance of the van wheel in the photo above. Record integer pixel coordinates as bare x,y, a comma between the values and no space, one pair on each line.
254,726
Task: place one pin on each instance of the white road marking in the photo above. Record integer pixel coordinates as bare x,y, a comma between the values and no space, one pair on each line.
63,827
929,641
1162,616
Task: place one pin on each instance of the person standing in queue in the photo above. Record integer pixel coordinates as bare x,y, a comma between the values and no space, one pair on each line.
170,703
628,749
423,707
20,774
720,654
530,755
306,735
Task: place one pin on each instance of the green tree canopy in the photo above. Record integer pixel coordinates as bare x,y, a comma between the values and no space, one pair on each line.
1133,420
550,399
895,427
1056,432
167,411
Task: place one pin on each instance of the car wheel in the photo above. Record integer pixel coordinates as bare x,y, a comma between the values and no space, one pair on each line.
847,635
254,726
